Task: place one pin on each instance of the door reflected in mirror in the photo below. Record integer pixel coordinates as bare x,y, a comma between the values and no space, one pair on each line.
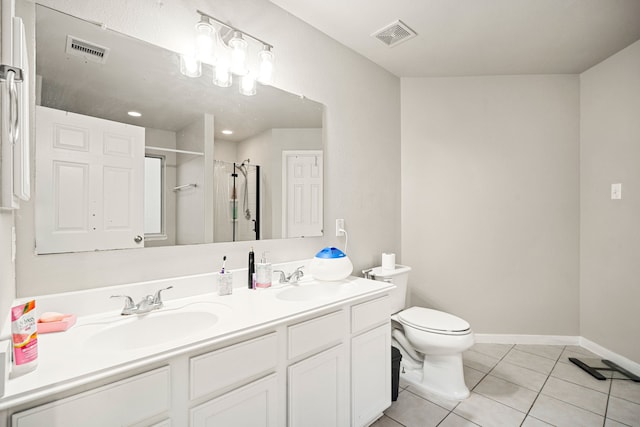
212,167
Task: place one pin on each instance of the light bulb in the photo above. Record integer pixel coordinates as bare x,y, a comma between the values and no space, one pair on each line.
222,77
248,85
266,65
205,41
190,66
238,47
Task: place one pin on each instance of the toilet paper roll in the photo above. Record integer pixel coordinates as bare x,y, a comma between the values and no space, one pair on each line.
388,261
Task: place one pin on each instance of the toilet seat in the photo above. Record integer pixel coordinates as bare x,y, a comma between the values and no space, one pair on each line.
434,321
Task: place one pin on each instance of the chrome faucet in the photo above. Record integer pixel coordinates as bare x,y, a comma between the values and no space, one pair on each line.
146,304
292,278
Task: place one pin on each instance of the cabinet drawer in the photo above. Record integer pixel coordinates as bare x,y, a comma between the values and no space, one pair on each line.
370,313
230,365
119,404
315,334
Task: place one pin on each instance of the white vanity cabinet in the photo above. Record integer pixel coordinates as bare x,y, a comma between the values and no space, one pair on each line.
326,367
370,361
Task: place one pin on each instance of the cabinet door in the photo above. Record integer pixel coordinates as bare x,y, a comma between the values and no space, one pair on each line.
318,394
370,374
254,405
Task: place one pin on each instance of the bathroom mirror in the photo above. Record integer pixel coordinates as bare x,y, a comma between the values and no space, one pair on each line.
200,185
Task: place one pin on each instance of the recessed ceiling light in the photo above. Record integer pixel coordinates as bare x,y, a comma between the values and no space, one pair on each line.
134,114
227,132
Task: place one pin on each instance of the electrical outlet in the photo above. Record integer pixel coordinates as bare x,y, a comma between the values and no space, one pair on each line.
339,227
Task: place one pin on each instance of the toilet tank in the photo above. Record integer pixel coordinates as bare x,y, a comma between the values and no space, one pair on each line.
399,277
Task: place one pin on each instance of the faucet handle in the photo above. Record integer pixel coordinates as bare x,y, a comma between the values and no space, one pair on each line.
296,275
157,300
129,305
283,276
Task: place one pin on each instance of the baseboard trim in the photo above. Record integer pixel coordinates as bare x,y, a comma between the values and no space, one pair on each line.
628,364
603,352
528,339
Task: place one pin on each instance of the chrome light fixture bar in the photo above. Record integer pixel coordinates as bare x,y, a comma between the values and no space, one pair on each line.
226,48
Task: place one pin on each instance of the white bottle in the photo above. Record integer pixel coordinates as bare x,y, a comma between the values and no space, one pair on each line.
263,272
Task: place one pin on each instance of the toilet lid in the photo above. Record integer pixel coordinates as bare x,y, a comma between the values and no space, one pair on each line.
432,320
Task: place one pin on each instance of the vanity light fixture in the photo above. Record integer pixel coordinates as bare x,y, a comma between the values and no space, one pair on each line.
230,51
248,85
206,40
134,114
265,57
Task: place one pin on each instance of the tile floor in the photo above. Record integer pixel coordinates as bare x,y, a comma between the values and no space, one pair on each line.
522,385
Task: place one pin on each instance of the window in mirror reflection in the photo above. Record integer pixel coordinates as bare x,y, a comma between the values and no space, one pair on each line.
154,197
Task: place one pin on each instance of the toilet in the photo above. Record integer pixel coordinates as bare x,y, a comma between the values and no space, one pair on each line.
431,342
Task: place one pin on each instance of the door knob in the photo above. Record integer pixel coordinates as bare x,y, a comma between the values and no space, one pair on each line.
137,239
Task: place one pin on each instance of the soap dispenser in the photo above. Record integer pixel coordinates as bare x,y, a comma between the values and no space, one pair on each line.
263,272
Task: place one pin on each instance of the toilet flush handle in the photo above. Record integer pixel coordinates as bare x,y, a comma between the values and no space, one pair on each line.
388,279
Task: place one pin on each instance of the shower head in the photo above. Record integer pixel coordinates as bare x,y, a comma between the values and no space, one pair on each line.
245,161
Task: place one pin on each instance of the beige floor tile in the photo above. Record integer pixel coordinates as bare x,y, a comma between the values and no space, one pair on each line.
472,376
443,403
626,389
549,351
487,412
454,420
534,422
518,375
510,394
493,350
385,421
576,349
578,353
624,411
561,414
413,411
573,374
530,361
577,395
611,423
478,361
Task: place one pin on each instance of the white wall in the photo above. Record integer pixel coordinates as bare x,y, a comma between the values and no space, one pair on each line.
225,150
190,169
362,135
610,229
490,187
7,272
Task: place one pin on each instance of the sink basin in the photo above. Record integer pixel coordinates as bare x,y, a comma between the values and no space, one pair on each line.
308,292
158,327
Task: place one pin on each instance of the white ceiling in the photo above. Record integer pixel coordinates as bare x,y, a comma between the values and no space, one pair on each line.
479,37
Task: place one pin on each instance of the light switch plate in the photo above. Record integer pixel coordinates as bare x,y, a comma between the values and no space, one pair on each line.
616,191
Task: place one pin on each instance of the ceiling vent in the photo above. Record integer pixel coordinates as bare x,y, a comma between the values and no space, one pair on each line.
394,33
87,50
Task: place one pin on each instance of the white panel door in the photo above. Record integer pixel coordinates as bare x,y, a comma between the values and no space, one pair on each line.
89,183
318,394
302,201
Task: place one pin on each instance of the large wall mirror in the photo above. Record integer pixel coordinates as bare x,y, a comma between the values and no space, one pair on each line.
195,163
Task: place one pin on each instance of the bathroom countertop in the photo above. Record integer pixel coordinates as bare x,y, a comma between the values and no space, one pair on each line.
67,359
